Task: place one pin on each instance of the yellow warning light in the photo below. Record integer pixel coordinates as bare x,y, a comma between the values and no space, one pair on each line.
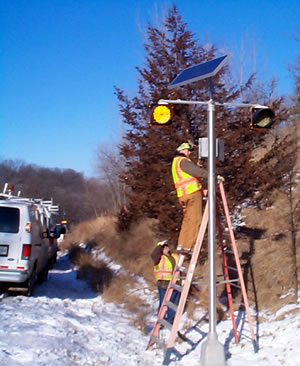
161,115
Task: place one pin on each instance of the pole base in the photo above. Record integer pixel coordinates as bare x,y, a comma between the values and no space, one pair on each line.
212,352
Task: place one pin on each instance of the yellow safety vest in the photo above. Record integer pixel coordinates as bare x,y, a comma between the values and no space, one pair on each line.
184,183
163,270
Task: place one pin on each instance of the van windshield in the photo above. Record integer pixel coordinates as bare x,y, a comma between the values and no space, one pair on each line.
9,220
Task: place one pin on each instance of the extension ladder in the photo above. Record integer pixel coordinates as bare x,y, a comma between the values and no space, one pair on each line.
237,281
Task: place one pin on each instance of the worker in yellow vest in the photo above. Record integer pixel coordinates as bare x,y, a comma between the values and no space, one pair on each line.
164,264
187,177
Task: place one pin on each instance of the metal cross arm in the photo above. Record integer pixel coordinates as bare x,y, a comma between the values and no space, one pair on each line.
261,115
236,105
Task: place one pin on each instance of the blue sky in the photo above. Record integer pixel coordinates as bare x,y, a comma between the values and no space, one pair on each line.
60,60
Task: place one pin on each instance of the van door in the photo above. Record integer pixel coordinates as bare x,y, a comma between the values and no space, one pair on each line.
10,238
40,245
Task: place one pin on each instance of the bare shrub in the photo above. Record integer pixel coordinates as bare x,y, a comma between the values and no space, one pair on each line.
98,275
76,255
94,271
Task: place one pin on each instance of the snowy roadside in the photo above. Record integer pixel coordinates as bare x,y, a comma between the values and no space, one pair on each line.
65,323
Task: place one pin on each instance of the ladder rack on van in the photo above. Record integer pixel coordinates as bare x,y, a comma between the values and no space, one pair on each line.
45,208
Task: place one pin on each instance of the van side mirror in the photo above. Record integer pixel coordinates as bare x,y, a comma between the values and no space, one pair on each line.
58,231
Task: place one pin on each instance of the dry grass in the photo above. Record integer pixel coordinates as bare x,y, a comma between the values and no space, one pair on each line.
131,249
268,259
87,231
266,249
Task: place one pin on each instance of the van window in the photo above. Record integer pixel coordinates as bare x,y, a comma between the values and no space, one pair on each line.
9,220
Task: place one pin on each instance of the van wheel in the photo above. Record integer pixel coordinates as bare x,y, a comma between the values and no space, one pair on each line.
2,289
30,284
43,276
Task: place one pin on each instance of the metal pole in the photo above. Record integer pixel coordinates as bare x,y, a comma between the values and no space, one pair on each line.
211,215
212,351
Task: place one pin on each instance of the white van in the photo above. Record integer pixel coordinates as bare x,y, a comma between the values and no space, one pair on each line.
24,247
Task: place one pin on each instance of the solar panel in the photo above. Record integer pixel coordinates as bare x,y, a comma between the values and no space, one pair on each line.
199,72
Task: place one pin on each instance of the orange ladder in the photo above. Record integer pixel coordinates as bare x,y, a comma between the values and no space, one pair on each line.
189,272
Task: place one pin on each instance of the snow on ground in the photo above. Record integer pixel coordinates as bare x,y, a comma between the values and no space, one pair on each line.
65,323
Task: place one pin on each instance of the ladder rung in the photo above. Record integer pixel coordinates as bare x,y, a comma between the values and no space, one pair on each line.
227,281
158,341
200,277
235,285
165,323
249,338
176,287
186,339
171,305
200,331
181,269
232,268
200,283
206,277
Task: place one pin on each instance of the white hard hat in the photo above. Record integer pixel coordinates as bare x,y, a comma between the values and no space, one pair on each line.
183,146
163,242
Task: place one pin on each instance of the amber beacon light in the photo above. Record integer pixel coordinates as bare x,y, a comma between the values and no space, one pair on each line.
161,115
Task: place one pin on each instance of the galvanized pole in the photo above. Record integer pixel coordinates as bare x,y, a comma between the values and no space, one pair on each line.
212,214
212,351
